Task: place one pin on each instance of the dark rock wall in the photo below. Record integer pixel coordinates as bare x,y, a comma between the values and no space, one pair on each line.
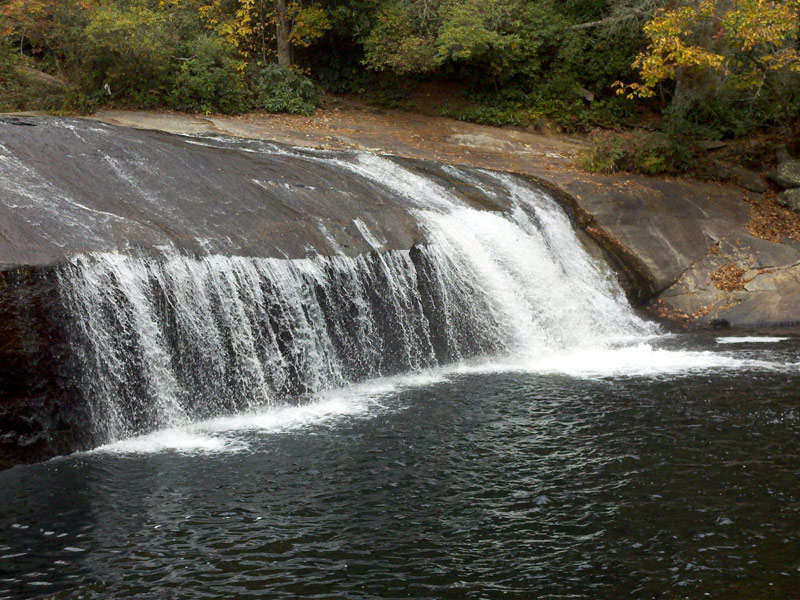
41,412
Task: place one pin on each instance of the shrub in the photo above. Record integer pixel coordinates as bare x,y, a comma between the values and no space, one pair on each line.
10,79
212,80
605,155
127,50
514,106
650,153
27,89
282,89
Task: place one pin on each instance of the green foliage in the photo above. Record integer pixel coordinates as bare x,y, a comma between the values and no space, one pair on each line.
75,101
308,24
522,109
21,89
650,153
727,67
337,68
282,89
735,114
351,19
11,82
498,39
128,50
709,68
607,57
506,39
210,79
516,109
395,43
8,62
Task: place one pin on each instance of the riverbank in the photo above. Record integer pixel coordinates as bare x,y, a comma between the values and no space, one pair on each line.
692,253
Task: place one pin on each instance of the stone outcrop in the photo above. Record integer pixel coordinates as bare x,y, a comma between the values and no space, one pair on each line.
749,180
670,238
41,413
665,236
69,186
787,174
790,199
764,290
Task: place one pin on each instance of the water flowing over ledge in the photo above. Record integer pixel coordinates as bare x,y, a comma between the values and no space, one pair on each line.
180,279
155,282
164,341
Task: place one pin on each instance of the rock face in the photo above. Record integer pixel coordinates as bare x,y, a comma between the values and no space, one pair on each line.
41,413
790,199
787,175
163,190
764,292
657,232
749,180
684,249
670,239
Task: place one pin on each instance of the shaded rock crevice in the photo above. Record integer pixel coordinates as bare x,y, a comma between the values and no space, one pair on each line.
42,411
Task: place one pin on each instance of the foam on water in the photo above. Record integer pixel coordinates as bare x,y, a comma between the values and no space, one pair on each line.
182,440
365,400
218,435
643,360
750,340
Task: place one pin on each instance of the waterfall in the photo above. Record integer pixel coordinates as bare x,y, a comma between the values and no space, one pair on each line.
165,338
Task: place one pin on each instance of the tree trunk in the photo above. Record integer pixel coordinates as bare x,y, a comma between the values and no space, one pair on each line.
282,34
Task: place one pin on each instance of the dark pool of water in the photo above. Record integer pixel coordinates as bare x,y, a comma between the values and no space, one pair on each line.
492,485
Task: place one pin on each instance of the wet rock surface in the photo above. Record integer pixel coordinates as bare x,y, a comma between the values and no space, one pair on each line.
656,232
41,412
665,237
70,186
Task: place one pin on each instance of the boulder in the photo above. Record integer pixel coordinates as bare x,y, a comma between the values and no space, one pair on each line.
749,180
787,175
790,199
782,152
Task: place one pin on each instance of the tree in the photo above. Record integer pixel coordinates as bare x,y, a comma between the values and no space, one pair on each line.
128,51
250,25
282,32
502,39
403,38
732,48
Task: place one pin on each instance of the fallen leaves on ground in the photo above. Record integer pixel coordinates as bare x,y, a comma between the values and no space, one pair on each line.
771,221
728,277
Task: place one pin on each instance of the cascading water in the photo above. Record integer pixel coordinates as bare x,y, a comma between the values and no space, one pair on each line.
315,374
168,339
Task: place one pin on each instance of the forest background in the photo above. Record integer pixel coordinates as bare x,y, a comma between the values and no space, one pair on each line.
653,80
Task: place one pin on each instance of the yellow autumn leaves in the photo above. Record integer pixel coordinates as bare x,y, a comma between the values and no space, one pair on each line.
740,40
252,19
